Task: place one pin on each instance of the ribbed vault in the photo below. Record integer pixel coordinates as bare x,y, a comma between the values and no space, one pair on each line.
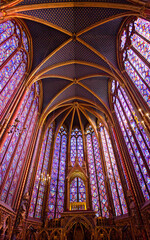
74,54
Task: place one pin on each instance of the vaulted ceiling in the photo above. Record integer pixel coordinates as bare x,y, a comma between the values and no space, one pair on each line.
74,54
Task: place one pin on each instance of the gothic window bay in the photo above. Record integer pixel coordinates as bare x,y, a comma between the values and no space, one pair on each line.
134,54
135,136
13,154
77,186
14,55
104,177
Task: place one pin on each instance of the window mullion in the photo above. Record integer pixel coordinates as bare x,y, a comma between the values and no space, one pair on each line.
13,34
134,119
133,135
11,56
139,55
11,78
14,131
139,75
145,39
12,157
137,163
21,149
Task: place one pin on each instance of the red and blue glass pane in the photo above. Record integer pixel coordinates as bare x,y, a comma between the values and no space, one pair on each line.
41,176
80,149
123,39
110,173
143,133
143,28
132,148
13,134
54,178
30,125
7,48
6,30
139,65
92,171
135,66
16,145
139,83
76,146
73,190
81,190
73,150
141,46
135,124
61,180
116,174
100,178
77,190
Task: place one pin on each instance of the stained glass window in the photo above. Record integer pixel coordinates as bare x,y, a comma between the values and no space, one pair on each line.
57,183
76,147
135,137
135,53
42,176
77,190
14,51
13,154
112,173
98,187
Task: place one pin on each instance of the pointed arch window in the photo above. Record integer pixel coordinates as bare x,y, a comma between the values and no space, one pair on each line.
14,55
76,146
134,135
134,52
13,154
97,179
42,176
57,183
